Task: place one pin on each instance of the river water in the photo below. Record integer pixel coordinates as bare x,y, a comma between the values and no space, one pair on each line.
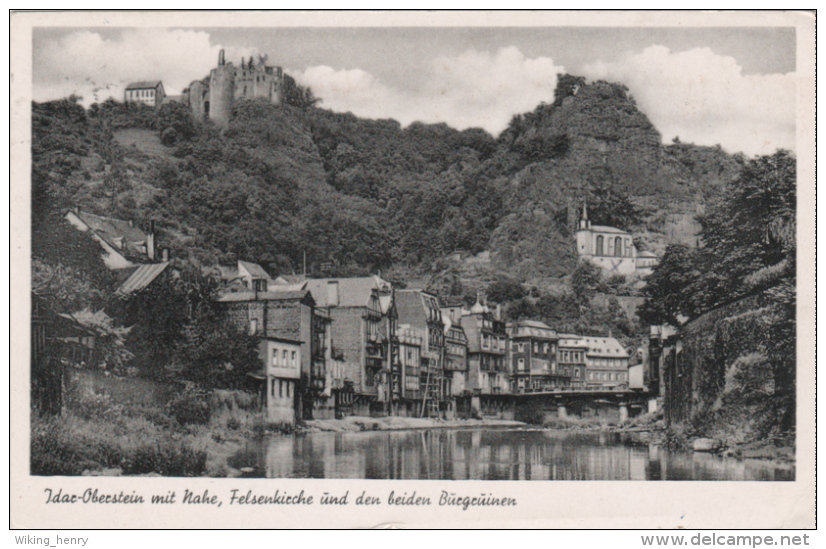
488,454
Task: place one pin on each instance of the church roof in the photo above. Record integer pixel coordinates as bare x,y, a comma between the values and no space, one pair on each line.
606,229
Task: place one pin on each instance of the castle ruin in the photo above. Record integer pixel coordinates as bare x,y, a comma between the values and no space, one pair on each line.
213,98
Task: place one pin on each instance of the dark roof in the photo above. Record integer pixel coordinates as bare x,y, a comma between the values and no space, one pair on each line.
144,85
352,292
451,301
533,324
116,232
60,324
142,277
263,296
410,307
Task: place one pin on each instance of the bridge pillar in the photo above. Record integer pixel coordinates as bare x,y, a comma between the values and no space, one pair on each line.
561,411
623,412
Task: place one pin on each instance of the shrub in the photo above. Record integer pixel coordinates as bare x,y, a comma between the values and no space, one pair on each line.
97,406
191,407
69,445
167,459
261,428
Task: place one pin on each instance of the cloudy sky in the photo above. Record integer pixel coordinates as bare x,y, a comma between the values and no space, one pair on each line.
729,86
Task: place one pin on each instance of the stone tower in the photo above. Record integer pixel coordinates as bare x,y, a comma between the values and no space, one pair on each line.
221,91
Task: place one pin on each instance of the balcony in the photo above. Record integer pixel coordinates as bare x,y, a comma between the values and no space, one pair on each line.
375,352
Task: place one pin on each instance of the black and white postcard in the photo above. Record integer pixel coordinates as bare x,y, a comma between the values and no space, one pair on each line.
285,269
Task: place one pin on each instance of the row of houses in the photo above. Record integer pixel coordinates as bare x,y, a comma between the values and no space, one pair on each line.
332,347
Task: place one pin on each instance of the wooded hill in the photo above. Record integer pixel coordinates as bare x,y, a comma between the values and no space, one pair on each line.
365,195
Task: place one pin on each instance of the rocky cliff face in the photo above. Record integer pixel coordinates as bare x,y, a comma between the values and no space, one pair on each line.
601,140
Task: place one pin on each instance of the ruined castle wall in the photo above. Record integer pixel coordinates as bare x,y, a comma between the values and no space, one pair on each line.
259,84
702,358
197,100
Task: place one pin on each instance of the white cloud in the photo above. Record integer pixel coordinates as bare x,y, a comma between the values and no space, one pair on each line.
697,95
87,64
473,89
705,98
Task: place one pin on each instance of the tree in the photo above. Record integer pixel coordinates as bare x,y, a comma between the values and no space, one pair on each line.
110,339
174,123
609,204
751,229
505,291
156,316
213,353
586,281
670,288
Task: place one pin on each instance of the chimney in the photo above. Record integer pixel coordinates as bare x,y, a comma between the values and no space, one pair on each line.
150,242
165,254
498,311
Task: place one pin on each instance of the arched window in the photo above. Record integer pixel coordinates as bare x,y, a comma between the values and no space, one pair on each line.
618,247
600,245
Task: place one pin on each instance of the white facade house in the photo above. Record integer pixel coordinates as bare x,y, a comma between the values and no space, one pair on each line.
282,359
147,93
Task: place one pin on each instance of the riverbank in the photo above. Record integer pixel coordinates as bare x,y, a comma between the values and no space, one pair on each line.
396,423
191,434
651,429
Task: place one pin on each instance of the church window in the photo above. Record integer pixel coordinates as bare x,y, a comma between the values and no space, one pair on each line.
618,247
600,245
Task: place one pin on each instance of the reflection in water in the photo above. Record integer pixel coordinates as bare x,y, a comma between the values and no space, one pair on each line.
497,454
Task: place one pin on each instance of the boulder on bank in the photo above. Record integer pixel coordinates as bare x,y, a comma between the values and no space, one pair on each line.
706,445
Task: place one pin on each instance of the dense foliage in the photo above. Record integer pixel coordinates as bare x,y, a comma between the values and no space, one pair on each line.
353,197
748,249
748,244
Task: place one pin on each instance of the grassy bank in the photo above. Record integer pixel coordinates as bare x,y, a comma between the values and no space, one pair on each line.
193,433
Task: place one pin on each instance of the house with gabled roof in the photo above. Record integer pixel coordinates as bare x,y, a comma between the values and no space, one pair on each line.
127,250
421,310
124,245
145,92
606,362
363,329
285,321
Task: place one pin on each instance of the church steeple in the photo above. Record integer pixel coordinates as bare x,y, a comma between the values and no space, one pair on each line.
583,222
